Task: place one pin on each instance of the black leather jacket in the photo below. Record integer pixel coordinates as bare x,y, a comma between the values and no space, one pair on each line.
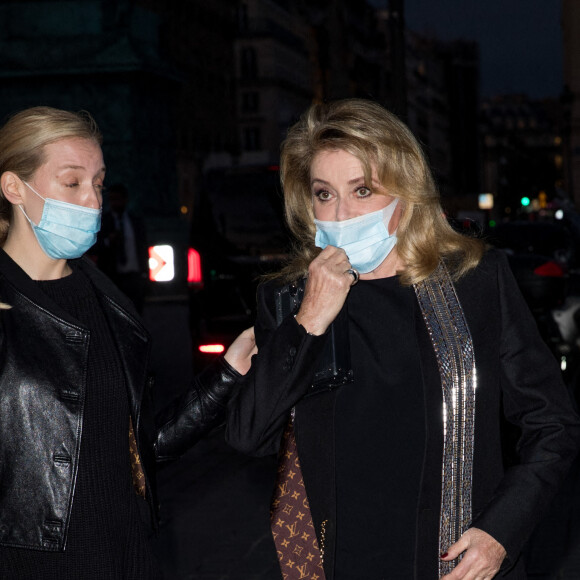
43,358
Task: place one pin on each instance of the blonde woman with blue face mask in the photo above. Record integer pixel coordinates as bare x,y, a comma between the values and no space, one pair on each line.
78,440
386,350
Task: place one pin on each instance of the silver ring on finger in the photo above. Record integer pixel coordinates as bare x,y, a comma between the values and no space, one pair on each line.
354,273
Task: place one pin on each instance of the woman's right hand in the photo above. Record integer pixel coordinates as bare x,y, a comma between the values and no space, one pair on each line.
326,290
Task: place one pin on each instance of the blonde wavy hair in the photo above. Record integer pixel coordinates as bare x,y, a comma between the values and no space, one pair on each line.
24,137
381,141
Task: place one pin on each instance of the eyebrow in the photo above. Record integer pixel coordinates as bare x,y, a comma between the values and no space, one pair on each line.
354,181
101,170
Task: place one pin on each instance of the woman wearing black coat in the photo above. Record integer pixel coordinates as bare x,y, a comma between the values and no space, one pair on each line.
387,352
77,437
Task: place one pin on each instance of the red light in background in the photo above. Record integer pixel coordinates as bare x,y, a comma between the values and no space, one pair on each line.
212,348
194,273
551,269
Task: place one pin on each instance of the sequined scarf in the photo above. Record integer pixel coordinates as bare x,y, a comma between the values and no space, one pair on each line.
453,347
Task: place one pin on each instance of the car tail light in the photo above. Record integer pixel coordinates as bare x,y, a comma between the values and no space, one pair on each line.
194,273
212,348
551,269
161,266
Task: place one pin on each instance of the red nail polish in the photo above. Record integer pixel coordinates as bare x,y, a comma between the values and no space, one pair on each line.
444,555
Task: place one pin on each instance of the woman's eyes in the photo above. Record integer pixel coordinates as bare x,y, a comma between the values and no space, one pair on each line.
360,192
363,191
322,195
97,186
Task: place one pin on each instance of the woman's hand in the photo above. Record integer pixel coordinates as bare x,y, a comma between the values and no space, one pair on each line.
239,355
482,558
326,290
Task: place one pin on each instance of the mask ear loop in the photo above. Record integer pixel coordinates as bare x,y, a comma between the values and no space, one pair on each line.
25,215
388,215
22,208
389,210
34,190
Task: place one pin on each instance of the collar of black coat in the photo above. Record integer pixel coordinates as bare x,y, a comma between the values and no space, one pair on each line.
12,275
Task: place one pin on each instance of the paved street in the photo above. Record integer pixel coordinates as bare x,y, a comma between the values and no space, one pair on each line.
215,501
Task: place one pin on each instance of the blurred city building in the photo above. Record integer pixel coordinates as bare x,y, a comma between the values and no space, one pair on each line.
392,17
289,54
186,86
273,76
571,97
102,56
443,107
349,44
196,37
522,151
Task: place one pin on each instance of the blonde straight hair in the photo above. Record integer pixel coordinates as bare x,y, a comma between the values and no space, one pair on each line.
24,137
379,140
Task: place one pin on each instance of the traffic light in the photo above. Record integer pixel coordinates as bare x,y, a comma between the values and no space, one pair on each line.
525,201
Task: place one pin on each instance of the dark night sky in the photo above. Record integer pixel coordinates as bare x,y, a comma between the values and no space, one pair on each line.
520,40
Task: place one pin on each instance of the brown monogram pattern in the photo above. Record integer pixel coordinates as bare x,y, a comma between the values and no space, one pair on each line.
136,468
292,528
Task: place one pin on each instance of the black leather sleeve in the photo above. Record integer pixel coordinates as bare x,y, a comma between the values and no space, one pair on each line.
196,412
281,373
534,399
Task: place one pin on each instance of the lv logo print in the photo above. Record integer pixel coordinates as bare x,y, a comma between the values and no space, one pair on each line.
291,521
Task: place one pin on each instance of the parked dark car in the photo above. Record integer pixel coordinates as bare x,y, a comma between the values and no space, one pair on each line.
540,255
238,234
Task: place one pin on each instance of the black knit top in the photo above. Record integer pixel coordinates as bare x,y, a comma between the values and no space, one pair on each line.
380,436
106,538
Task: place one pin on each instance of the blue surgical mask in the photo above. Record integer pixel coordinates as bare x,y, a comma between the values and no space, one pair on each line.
365,239
65,230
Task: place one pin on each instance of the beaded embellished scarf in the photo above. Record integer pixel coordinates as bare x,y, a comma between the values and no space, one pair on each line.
453,347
